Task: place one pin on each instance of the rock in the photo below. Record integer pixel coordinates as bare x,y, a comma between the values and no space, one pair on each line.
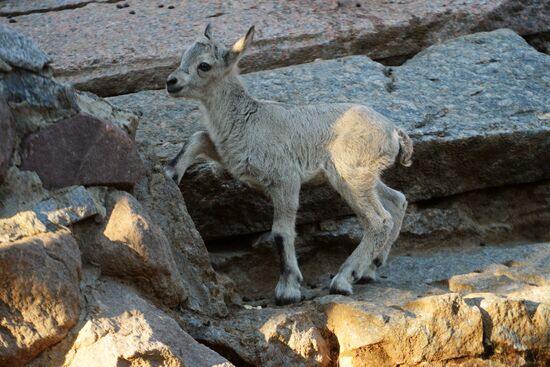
540,41
56,211
20,7
93,105
7,138
294,340
125,329
82,150
20,51
163,200
430,329
129,245
407,317
471,124
39,294
102,58
36,101
517,326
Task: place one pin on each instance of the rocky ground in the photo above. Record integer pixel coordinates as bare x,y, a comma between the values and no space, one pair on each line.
105,262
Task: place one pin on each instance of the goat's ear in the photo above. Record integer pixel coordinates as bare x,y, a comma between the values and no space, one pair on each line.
208,31
238,48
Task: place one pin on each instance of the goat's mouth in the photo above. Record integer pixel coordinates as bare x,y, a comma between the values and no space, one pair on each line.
174,89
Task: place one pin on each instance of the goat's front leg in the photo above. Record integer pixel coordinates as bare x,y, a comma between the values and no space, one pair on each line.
285,202
199,144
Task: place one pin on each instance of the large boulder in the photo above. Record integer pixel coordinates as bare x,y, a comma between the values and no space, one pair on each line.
129,245
163,200
39,294
123,49
483,100
82,150
123,329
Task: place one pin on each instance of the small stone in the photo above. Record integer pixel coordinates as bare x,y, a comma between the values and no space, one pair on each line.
132,12
171,7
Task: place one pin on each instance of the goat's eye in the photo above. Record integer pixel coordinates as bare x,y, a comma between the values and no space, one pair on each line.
204,66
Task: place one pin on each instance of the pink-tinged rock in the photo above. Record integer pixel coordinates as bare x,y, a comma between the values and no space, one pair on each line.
82,150
111,50
7,138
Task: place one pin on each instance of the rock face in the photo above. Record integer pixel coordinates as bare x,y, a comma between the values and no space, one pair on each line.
125,329
163,200
53,213
430,329
130,246
7,138
414,315
483,101
39,294
103,59
82,150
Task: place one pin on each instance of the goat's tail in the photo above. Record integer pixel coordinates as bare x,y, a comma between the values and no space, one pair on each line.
405,148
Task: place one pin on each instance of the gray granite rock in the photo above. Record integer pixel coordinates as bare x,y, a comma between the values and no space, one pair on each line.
476,107
163,200
20,51
110,50
59,209
130,246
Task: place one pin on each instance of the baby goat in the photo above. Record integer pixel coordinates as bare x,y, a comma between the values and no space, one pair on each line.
276,147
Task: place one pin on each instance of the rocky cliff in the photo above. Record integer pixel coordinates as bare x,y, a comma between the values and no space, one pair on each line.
105,262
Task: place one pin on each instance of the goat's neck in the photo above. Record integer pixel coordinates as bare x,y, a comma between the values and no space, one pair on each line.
228,106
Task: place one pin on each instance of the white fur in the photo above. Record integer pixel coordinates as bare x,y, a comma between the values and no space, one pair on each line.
276,147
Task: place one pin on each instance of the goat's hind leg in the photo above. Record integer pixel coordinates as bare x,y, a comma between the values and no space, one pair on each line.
285,203
360,193
396,204
199,144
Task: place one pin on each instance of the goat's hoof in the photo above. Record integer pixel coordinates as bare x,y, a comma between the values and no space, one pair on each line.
366,279
286,294
340,286
289,297
283,301
368,276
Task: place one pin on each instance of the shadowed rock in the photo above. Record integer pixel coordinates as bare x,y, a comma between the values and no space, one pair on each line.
7,137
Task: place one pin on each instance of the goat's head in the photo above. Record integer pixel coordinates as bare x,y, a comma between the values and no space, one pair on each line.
204,63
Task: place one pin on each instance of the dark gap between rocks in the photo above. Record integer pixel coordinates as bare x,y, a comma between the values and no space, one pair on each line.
227,353
539,41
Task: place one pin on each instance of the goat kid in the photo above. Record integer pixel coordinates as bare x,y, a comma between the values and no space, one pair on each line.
276,147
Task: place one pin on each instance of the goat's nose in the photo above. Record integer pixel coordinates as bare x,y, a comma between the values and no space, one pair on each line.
171,81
